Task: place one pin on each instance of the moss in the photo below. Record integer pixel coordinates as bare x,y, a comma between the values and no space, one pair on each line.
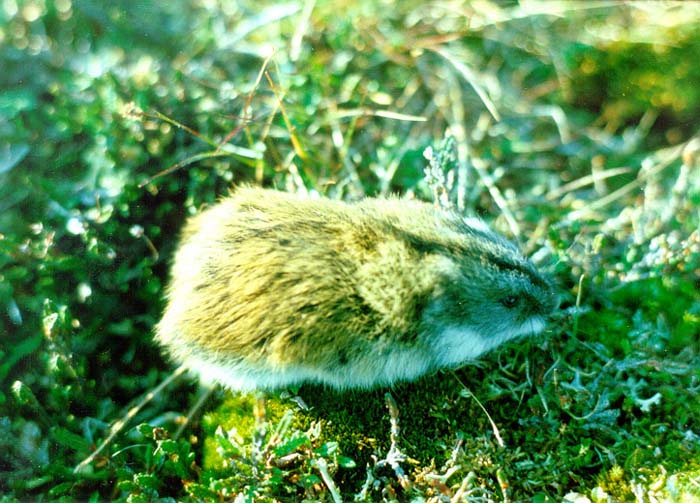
682,487
615,482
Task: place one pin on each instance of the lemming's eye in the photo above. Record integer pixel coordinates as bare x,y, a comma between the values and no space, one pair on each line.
510,301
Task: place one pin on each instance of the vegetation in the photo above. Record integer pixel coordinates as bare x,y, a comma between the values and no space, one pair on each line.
575,132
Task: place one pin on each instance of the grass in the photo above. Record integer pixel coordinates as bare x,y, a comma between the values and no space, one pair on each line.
574,128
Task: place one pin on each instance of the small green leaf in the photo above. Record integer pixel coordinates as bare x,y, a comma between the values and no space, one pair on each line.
24,395
309,480
201,492
541,498
145,429
169,446
327,449
60,489
69,439
15,101
291,445
147,481
138,497
227,447
346,462
17,352
48,322
127,486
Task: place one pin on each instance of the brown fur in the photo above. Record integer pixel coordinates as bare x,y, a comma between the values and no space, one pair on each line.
273,280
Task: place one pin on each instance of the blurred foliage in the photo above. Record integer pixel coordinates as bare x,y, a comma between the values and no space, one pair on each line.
573,126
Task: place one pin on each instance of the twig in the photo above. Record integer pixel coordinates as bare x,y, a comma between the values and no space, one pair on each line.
369,112
585,180
503,484
296,144
468,393
579,294
181,164
259,432
394,456
466,482
249,100
302,27
121,423
497,196
369,482
322,466
470,77
203,396
671,153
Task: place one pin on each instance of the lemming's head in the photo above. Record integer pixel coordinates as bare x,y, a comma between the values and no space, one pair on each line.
487,293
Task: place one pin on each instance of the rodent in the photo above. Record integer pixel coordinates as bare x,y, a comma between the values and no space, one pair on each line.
270,289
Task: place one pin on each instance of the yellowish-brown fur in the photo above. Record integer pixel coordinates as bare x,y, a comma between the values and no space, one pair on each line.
267,282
